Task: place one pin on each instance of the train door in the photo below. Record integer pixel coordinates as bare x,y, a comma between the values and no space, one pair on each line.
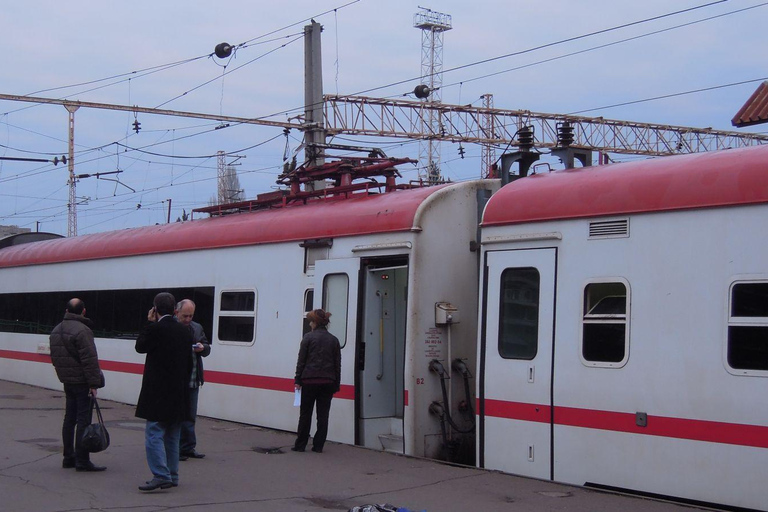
516,362
337,292
381,366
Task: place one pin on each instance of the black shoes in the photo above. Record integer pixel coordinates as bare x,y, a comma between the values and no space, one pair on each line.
191,455
156,483
294,449
317,450
67,464
88,467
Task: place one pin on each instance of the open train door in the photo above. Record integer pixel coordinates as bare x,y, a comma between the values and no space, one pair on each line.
337,280
515,385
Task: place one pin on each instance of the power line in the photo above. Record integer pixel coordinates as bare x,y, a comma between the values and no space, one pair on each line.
551,44
672,95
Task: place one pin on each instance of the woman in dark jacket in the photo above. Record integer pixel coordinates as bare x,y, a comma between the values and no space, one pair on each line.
318,376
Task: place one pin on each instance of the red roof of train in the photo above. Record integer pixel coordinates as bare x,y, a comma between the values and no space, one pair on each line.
702,180
323,218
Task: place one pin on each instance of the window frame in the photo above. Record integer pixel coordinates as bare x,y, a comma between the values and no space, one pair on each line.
236,314
605,319
502,317
340,316
731,321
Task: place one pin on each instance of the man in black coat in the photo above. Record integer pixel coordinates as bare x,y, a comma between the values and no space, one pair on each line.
163,400
73,354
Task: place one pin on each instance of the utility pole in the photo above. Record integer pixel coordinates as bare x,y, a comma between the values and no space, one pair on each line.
432,25
72,206
314,132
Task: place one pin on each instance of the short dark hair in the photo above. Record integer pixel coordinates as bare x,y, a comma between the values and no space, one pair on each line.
76,306
164,303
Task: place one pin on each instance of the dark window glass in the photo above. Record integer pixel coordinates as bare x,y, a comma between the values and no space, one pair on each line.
236,328
238,301
604,334
750,300
748,327
309,298
605,342
519,313
114,313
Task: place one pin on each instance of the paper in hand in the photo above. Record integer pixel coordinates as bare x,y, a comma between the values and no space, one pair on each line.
297,398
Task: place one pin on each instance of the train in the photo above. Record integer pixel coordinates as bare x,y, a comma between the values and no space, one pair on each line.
603,325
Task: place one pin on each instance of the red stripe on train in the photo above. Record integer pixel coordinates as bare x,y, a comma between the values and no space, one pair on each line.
662,426
232,379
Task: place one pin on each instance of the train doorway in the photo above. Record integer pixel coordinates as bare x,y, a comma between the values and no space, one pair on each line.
338,283
381,360
516,362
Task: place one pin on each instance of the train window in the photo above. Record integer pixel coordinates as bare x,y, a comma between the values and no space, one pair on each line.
237,316
604,339
336,302
519,313
309,299
118,314
748,327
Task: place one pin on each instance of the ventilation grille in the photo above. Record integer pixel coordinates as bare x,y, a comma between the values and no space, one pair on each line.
616,228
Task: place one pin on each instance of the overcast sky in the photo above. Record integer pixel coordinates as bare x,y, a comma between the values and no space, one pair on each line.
48,46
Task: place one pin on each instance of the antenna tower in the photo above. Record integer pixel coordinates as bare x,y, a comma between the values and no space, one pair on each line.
432,25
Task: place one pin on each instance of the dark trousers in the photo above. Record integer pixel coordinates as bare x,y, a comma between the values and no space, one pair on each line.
311,394
76,414
188,437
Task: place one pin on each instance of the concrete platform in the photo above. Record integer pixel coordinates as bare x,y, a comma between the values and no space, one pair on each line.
247,468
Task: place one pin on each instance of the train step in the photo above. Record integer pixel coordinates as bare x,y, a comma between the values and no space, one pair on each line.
391,443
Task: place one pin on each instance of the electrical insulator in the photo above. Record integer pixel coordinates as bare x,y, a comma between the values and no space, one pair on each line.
136,126
525,137
461,151
421,91
564,134
223,50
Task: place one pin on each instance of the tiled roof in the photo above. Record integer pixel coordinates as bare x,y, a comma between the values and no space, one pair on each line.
755,110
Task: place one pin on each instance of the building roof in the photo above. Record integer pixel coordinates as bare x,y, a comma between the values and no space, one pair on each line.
755,110
321,218
702,180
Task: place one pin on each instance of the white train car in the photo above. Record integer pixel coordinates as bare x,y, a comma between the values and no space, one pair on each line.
623,330
378,262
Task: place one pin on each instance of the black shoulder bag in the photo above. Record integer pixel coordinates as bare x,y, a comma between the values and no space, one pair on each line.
95,436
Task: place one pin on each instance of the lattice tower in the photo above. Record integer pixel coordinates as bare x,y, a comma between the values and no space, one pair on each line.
432,25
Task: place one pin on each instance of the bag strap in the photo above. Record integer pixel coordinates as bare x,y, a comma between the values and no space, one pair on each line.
95,404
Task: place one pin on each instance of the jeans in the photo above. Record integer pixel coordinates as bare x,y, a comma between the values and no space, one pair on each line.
188,438
77,412
311,393
161,439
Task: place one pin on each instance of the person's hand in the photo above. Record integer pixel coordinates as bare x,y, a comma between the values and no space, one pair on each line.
198,347
152,315
93,392
296,386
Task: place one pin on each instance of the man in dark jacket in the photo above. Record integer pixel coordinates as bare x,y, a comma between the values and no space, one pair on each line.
185,311
73,354
163,400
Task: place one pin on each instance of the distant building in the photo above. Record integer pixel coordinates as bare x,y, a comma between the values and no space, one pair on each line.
12,230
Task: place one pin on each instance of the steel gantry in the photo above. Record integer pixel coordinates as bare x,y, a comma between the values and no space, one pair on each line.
360,115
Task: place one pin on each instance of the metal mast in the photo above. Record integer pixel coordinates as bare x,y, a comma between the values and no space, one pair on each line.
314,134
488,153
432,25
72,205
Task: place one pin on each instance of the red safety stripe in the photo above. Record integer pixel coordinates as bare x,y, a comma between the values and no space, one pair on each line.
662,426
346,392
